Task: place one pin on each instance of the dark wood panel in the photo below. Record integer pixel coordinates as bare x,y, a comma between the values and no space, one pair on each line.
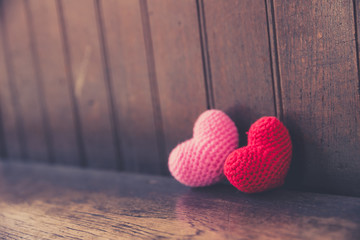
240,60
127,65
25,80
90,85
122,84
178,66
50,57
274,58
319,80
3,153
10,131
63,203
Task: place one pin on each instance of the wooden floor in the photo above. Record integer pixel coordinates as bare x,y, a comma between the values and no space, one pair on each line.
41,202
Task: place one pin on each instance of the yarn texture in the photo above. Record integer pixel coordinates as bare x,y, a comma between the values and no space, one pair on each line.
265,161
199,161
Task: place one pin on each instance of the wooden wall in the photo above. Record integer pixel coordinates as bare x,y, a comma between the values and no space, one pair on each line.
118,83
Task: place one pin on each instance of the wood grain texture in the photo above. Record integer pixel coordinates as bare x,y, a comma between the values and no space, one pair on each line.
90,85
125,49
117,84
25,82
9,120
319,81
45,30
178,67
64,203
3,153
240,60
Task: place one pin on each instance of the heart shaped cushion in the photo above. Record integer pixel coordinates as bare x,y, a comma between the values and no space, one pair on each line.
199,161
265,161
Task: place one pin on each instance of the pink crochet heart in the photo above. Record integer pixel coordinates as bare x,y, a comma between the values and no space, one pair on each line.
199,161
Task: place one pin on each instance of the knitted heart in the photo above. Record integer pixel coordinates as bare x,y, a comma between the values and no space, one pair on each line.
200,160
265,161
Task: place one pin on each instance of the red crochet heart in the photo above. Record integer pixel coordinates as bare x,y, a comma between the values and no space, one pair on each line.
265,161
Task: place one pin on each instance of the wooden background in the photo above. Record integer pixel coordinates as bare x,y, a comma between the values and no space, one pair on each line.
116,84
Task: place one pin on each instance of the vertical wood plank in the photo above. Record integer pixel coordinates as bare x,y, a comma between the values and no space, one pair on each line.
50,57
205,54
10,147
91,89
3,81
2,137
178,64
5,99
240,60
274,58
319,81
125,49
25,83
